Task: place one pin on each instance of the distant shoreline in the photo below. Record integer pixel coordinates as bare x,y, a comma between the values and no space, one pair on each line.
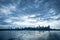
29,30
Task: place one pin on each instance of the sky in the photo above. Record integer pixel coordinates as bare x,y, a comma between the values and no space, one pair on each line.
30,13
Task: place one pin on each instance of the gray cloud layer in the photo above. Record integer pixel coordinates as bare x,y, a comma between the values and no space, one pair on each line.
44,10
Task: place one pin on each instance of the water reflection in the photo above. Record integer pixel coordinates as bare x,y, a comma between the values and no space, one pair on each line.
29,35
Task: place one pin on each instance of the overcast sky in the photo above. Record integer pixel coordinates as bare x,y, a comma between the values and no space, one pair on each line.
30,12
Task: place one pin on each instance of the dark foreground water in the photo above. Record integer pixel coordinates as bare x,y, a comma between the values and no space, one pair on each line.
29,35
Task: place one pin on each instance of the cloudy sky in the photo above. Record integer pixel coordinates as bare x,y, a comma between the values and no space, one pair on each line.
30,12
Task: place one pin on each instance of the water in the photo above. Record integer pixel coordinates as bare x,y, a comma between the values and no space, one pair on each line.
29,35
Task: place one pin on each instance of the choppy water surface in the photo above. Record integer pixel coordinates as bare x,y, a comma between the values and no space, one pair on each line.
29,35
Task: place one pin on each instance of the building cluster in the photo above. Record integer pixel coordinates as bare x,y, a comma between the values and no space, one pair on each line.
35,28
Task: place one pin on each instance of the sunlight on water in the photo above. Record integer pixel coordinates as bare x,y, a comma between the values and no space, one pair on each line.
29,35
